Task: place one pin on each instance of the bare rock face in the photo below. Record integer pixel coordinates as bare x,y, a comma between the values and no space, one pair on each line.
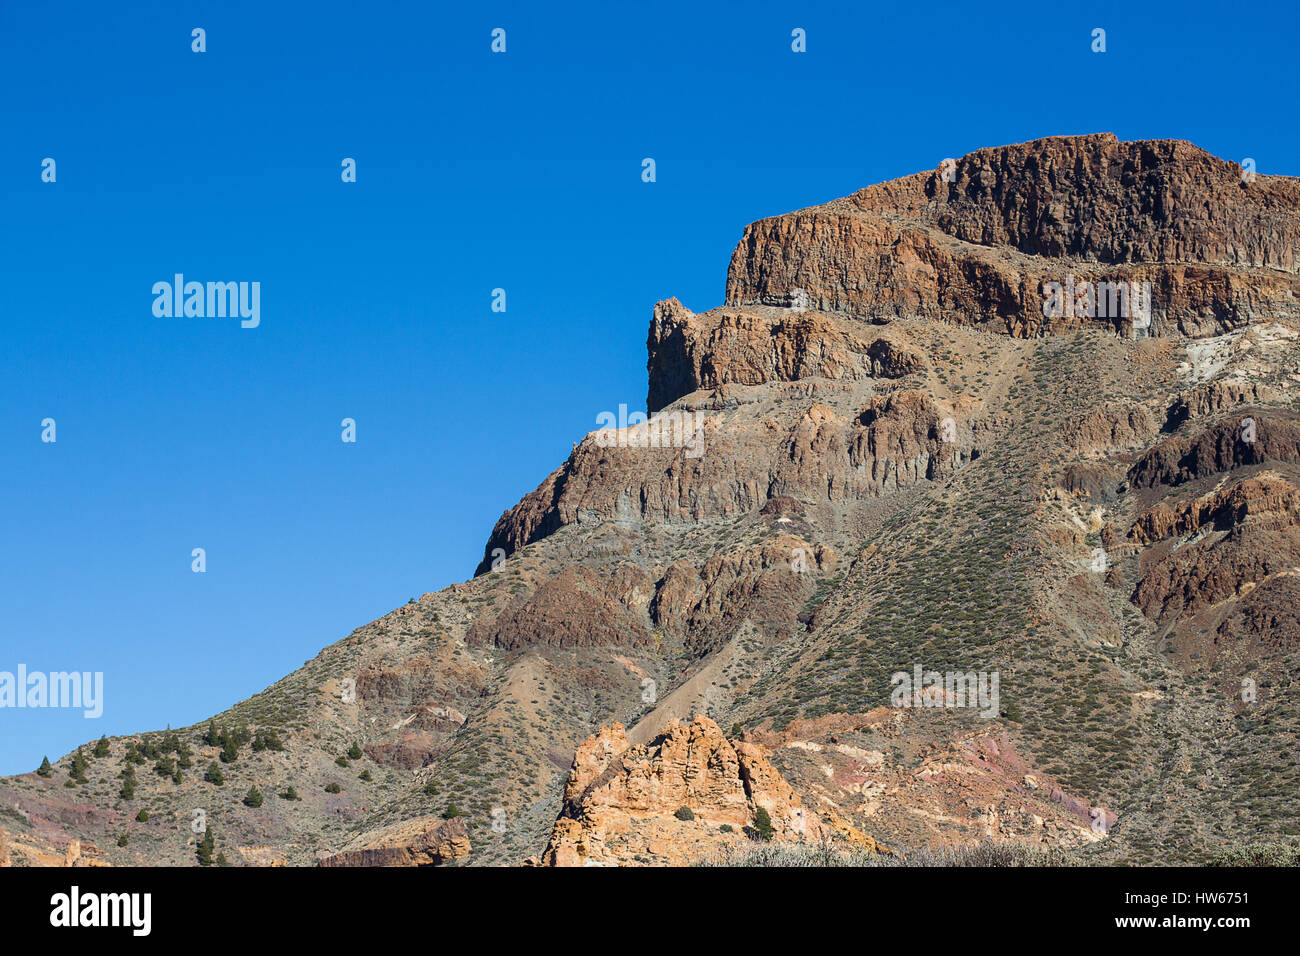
576,608
1247,438
1230,539
1216,397
667,803
751,347
1115,425
975,241
31,849
817,456
422,841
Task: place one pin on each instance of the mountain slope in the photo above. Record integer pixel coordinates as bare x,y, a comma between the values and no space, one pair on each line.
885,452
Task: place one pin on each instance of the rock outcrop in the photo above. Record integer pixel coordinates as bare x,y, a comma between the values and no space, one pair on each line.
752,347
687,794
422,841
974,241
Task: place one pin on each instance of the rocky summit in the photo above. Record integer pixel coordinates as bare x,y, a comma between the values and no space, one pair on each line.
972,516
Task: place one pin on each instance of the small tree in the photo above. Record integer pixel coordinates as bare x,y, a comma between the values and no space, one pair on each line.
214,774
123,840
101,748
79,764
451,812
45,769
364,775
253,798
763,825
142,816
206,846
354,752
212,737
290,794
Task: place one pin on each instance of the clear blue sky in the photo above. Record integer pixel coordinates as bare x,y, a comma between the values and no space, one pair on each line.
475,171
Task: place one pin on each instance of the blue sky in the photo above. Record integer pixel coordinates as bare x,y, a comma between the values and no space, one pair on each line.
475,171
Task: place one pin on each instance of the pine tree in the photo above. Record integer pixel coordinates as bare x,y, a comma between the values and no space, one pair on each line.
101,748
123,840
214,774
253,798
210,738
290,794
78,767
142,816
206,845
451,812
45,769
128,789
354,752
763,825
229,748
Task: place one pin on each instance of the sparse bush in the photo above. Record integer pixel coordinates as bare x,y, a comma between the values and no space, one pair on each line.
685,813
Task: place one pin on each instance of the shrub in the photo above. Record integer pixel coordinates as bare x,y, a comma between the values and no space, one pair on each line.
253,798
332,788
354,752
763,825
684,813
142,816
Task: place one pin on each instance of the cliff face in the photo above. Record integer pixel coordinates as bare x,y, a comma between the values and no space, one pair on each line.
974,241
878,458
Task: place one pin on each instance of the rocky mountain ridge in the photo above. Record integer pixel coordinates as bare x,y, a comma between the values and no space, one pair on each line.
881,457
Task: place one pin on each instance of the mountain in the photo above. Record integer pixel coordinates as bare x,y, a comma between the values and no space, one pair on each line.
971,516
